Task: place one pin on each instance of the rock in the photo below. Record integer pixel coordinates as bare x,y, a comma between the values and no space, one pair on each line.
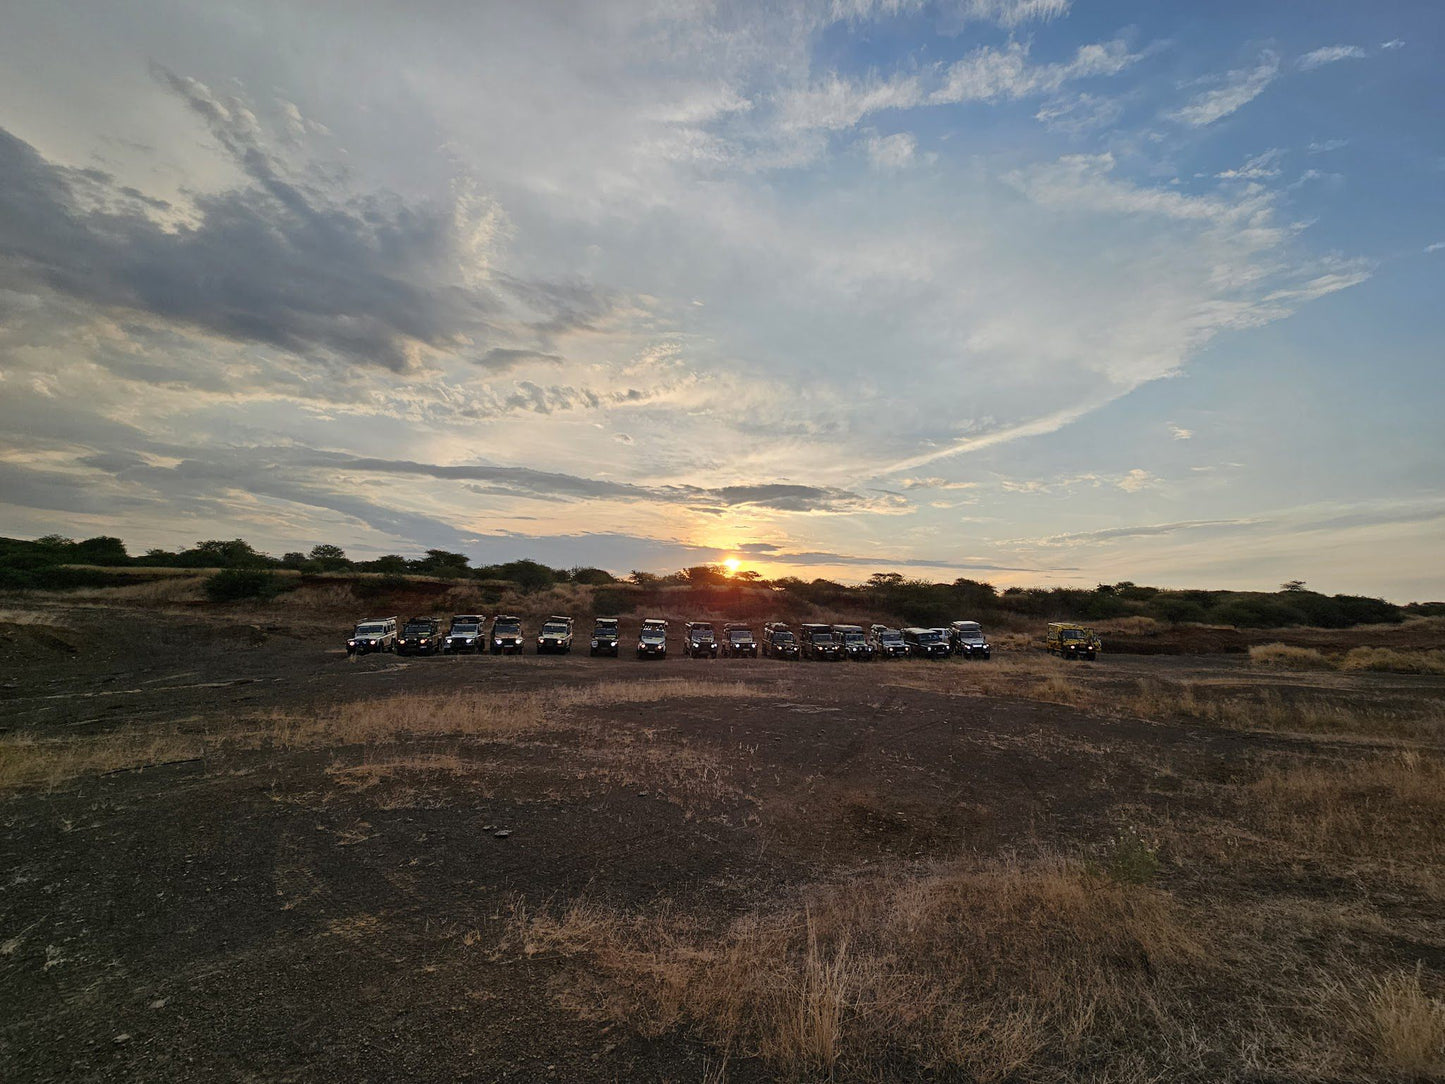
503,834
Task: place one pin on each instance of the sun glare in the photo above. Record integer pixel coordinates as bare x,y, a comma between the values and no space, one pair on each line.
732,564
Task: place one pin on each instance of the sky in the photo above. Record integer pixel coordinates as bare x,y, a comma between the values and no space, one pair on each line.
1030,291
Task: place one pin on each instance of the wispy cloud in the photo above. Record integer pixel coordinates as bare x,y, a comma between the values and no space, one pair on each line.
892,151
1330,54
1435,246
1178,432
1235,90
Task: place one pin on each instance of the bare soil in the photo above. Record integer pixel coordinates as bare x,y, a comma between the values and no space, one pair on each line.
246,909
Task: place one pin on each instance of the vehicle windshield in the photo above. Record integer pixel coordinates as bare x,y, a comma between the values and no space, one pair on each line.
507,628
853,637
464,630
929,636
418,630
701,634
782,637
370,630
1075,634
653,636
890,635
609,631
740,636
970,628
554,630
822,637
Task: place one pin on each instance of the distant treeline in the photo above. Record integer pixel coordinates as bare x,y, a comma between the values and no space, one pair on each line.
54,562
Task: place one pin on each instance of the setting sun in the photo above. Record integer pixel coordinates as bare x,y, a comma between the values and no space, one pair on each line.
731,564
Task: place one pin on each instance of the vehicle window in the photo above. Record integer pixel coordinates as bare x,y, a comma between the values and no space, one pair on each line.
370,630
929,637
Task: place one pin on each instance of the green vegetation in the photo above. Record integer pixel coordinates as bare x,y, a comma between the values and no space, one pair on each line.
56,563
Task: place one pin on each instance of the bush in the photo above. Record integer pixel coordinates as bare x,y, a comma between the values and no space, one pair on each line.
1395,662
611,601
236,584
1288,657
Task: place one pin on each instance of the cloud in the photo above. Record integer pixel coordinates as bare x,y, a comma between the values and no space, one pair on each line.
1138,479
987,74
305,267
1079,115
1393,43
1261,167
1330,54
1435,246
956,13
1178,432
1235,90
891,152
504,358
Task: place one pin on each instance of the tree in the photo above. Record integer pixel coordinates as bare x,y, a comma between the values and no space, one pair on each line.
885,579
529,576
596,577
293,559
1292,586
705,575
329,558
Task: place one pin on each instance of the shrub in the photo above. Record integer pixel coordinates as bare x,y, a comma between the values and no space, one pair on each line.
1288,657
1395,662
236,584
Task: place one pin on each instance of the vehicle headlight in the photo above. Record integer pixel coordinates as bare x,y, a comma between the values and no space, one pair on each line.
498,640
594,643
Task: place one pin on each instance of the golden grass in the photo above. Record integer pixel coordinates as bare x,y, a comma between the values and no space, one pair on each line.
27,761
1395,662
1387,808
999,969
472,715
1288,657
1404,1025
30,762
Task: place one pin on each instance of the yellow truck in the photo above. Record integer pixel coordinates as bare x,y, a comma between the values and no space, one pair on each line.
1070,641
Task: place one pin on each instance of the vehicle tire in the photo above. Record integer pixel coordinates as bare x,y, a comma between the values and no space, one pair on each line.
1090,656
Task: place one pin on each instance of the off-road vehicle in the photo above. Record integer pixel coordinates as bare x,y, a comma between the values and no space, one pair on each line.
888,643
966,638
854,642
605,637
373,634
738,641
652,639
555,637
926,643
779,641
419,636
698,640
506,635
818,642
466,636
1070,641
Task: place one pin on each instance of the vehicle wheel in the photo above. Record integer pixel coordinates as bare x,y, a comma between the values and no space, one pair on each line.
1090,656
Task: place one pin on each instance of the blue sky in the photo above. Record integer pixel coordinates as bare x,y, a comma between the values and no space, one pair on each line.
1026,290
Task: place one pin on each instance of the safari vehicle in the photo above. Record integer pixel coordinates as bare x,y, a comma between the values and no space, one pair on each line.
698,640
779,641
420,636
652,639
605,637
373,634
738,641
854,643
465,637
555,637
966,638
506,635
926,643
818,643
887,643
1071,641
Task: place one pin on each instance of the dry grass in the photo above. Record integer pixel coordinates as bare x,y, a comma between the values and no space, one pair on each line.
160,591
469,715
1403,1025
1394,662
1387,808
29,762
1288,657
1001,969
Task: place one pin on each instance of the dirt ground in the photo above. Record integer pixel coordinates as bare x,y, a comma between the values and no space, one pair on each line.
198,893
